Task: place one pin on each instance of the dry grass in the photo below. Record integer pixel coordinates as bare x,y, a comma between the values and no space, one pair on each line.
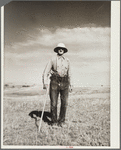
87,119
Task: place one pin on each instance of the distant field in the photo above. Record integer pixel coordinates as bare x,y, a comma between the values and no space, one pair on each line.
87,119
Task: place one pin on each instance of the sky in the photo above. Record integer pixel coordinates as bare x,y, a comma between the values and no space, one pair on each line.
33,30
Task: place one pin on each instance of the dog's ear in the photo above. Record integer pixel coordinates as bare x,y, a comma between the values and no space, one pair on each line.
31,115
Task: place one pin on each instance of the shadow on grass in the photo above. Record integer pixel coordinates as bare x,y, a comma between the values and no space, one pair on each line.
36,114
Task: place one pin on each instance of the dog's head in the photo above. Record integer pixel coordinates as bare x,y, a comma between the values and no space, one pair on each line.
34,114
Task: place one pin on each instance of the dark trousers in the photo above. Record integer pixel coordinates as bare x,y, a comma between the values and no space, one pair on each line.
58,86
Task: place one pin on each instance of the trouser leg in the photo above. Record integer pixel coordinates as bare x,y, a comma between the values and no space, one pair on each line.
53,100
64,103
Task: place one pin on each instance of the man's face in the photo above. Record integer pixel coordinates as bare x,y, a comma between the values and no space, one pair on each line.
60,51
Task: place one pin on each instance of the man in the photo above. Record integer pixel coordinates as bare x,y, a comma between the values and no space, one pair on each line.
60,83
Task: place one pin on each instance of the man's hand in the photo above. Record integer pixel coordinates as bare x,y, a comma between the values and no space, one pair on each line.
70,88
45,86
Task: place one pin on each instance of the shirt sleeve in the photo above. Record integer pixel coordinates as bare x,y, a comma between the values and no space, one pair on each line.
46,72
69,72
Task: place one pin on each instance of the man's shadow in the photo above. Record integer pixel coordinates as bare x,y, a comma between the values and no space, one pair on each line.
37,115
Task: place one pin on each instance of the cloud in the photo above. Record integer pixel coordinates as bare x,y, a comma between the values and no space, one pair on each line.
85,43
89,52
76,36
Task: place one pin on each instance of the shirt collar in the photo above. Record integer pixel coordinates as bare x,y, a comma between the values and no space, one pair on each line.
59,57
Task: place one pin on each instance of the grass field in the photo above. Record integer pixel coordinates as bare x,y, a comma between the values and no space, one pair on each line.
87,118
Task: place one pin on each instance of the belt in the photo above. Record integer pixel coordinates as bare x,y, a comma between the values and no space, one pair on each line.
59,78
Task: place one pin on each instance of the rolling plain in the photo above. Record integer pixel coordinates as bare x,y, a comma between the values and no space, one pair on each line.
87,117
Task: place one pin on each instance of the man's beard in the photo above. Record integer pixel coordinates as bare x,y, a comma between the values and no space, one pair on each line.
60,54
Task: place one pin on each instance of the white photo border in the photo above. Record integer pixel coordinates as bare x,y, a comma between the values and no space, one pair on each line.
114,78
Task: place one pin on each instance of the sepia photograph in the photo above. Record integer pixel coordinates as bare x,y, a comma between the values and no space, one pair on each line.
56,74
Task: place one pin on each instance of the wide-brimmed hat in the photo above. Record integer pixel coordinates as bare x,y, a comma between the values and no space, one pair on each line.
60,46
